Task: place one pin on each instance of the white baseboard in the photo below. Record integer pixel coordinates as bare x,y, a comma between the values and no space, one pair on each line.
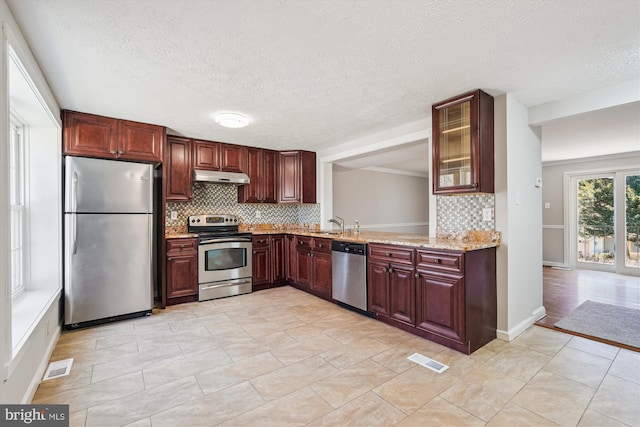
512,333
37,377
554,264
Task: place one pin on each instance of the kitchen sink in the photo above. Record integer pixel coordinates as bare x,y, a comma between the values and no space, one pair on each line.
329,233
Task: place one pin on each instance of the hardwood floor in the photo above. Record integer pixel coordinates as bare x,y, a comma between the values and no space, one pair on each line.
564,290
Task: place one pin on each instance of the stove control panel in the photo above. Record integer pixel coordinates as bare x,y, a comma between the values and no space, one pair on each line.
212,220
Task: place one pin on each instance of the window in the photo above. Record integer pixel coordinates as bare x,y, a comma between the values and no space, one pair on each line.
17,202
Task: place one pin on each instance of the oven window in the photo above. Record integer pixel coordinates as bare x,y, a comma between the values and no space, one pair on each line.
225,259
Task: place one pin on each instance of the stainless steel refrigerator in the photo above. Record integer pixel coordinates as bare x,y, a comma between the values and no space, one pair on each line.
109,244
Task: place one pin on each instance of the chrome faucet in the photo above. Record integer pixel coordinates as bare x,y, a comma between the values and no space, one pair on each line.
339,222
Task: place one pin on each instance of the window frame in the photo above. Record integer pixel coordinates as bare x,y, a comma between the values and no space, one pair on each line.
18,186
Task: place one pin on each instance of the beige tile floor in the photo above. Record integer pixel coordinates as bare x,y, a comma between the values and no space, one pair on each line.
281,357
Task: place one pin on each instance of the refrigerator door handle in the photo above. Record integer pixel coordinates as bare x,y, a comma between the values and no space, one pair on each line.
74,193
74,234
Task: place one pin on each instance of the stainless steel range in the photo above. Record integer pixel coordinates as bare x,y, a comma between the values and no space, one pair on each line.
224,256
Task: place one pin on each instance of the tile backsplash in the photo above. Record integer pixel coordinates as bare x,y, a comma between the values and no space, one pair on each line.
223,199
464,212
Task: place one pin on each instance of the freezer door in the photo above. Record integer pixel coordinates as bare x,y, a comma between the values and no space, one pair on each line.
108,262
105,186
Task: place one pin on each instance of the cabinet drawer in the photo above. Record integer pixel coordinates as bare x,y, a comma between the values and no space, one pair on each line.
397,254
321,245
305,242
260,241
180,246
442,261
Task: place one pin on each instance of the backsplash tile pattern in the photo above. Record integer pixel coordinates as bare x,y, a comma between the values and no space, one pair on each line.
223,199
456,213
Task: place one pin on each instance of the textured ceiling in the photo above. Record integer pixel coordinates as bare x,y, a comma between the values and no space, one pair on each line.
313,74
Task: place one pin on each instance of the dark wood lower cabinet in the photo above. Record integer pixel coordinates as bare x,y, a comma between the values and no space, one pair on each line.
313,262
182,271
445,296
268,263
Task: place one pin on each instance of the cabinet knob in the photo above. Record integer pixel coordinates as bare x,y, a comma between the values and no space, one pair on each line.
182,246
120,151
384,269
320,245
113,152
417,275
390,270
387,254
254,252
475,185
437,261
170,259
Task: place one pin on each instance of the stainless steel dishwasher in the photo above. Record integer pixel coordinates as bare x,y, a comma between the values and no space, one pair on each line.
349,277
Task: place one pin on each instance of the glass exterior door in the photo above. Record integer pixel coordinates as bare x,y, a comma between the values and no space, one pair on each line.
630,262
606,231
596,221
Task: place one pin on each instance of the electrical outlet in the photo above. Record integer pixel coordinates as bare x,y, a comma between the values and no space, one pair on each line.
258,214
487,214
174,214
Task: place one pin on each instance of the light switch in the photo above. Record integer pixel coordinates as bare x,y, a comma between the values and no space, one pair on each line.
538,182
258,214
547,205
487,214
174,214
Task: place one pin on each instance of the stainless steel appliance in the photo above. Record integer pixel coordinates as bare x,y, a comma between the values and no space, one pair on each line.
108,242
349,273
224,256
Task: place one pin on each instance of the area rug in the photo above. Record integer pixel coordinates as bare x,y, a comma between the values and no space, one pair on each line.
605,321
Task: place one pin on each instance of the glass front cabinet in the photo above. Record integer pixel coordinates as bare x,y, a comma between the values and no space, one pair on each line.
463,144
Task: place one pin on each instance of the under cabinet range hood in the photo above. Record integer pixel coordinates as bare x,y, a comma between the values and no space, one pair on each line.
218,177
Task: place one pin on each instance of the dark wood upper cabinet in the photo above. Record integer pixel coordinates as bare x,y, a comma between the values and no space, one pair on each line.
178,169
105,137
218,156
297,182
263,175
463,144
206,155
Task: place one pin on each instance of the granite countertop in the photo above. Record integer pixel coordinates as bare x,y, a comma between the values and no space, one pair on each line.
456,241
180,235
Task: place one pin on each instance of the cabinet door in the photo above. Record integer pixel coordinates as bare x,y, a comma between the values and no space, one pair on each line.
90,135
269,178
463,144
304,267
233,158
253,192
289,177
277,245
140,141
291,257
178,169
261,263
206,155
182,275
402,294
378,288
440,304
322,273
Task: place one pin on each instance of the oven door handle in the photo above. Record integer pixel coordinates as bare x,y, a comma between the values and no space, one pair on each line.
224,284
235,239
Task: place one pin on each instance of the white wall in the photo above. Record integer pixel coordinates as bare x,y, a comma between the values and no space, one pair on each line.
381,201
553,192
518,217
21,374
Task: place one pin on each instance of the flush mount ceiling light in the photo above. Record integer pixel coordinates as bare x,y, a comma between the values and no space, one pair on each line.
231,120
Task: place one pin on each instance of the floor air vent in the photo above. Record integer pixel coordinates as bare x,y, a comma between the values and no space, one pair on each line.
58,369
428,363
